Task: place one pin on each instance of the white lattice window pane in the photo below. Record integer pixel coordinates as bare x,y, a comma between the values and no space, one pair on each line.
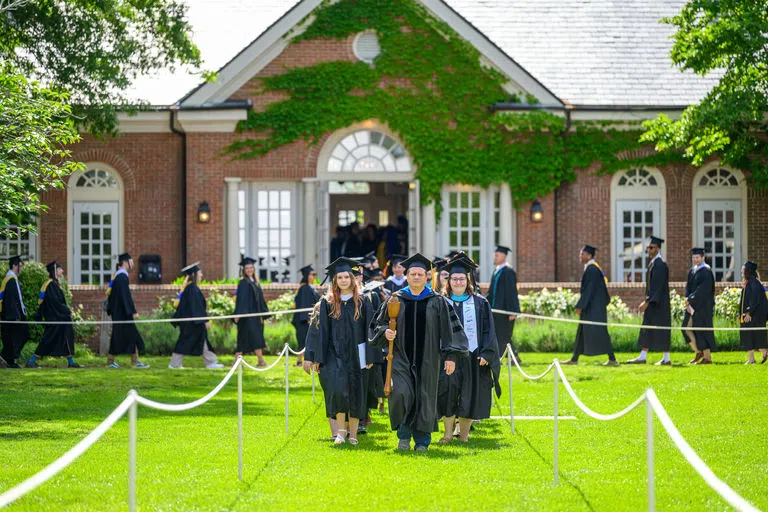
334,165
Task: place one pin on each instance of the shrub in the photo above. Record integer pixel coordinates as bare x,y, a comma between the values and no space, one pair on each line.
559,303
617,310
277,334
677,303
220,303
728,304
282,303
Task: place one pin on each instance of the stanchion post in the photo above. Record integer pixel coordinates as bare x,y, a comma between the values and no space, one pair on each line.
649,443
286,387
509,380
132,414
240,419
554,416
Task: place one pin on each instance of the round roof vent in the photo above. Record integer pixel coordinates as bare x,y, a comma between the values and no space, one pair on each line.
367,47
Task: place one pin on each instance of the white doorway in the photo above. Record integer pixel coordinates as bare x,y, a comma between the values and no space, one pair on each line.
719,232
95,244
636,221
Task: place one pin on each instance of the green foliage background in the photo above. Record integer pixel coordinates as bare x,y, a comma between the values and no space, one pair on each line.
429,86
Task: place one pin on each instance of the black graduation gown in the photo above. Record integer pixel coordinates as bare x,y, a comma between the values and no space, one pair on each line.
192,334
428,333
658,311
125,338
702,300
334,344
306,297
502,294
467,392
593,340
374,377
393,286
754,302
250,330
14,336
57,340
687,315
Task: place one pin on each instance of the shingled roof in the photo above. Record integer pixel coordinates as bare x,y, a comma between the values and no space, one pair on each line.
587,52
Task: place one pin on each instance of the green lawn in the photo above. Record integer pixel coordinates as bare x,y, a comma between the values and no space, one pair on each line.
188,461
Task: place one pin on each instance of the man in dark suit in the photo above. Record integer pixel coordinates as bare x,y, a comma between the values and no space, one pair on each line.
655,308
502,294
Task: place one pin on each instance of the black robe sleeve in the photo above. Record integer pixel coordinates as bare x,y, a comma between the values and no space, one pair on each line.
453,340
511,298
379,326
703,290
589,286
659,278
753,296
242,296
191,305
487,344
12,309
121,306
305,297
319,334
54,306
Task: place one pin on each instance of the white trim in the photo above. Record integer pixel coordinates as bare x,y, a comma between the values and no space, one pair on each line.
144,122
357,41
209,121
738,193
622,120
264,49
93,195
656,193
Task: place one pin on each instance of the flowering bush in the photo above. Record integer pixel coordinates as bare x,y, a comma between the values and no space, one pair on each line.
546,303
617,310
677,304
282,303
728,303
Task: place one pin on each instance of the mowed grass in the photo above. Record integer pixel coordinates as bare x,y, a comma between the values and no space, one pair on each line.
188,461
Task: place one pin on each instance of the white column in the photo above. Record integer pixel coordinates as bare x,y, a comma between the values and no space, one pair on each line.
428,231
310,225
506,220
232,237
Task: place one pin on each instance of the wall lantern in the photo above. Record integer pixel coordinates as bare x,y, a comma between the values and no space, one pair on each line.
204,213
537,212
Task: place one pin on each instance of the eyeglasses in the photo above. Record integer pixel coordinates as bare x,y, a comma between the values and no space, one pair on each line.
458,279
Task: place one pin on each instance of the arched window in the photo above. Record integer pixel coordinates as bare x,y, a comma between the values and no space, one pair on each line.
638,197
719,212
368,151
95,198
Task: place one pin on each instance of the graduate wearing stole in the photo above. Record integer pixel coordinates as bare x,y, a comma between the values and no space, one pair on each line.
467,393
58,340
250,299
396,280
428,335
193,335
306,297
337,344
753,312
125,337
14,336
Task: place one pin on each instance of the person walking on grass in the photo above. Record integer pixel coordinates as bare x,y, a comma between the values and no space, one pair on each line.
753,312
58,340
428,335
593,340
193,334
306,298
700,306
125,337
249,299
338,346
502,294
655,308
466,393
12,308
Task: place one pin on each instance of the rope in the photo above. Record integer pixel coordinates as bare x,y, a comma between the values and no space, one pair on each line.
635,326
257,369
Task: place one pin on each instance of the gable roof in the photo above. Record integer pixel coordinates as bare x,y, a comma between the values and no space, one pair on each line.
584,52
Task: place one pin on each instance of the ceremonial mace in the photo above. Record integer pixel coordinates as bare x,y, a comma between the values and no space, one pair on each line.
393,310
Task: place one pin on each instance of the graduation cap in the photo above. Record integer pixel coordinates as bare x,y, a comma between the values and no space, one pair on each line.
397,258
657,241
52,266
191,269
460,266
589,249
14,260
370,257
287,259
417,261
439,262
123,258
503,249
369,274
698,251
342,265
750,266
452,254
462,254
305,271
247,260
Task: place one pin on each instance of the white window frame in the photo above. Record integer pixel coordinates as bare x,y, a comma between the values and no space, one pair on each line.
77,194
720,193
657,192
700,241
33,242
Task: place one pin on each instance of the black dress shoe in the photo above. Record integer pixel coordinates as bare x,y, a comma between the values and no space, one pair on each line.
663,363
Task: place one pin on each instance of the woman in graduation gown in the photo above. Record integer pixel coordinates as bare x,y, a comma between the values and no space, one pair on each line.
753,313
193,335
250,299
58,340
338,344
466,393
306,297
396,272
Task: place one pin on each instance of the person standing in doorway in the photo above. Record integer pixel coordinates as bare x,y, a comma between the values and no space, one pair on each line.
655,308
593,340
12,308
502,294
125,338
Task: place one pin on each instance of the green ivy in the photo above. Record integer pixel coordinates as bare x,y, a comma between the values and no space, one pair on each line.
429,86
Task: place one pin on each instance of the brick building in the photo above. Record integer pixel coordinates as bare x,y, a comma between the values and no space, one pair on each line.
143,191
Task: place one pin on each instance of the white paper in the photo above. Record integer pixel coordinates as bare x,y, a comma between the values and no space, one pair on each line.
361,352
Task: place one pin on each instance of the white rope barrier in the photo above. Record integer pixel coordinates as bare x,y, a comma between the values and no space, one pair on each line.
633,326
267,368
299,353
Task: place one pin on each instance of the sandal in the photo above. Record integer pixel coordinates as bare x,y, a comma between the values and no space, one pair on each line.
353,441
341,437
445,440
